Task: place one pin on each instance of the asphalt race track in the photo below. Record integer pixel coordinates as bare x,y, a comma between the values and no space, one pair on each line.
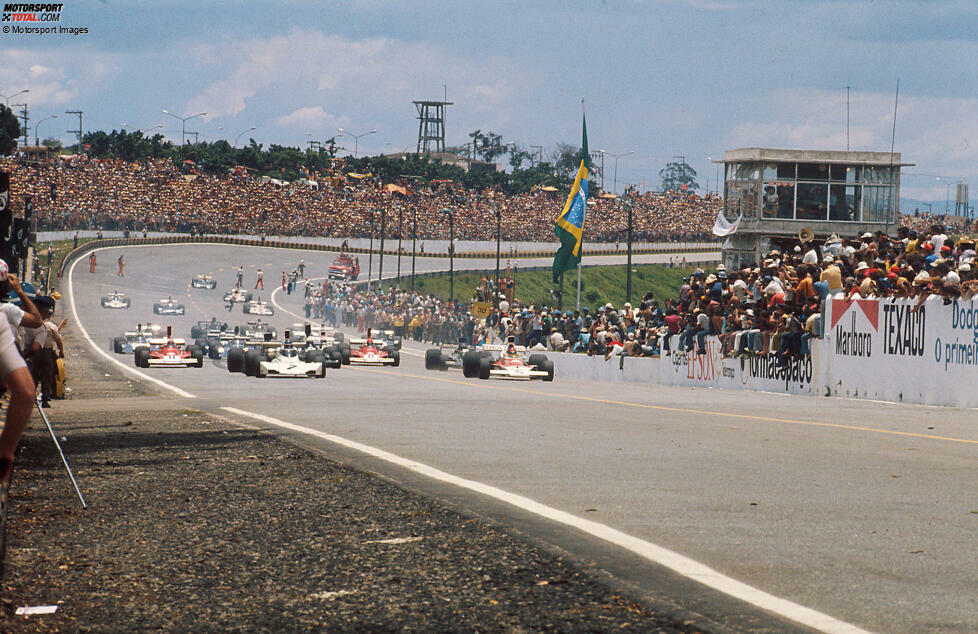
825,512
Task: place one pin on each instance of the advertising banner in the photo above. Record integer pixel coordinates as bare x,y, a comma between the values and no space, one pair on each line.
767,372
894,350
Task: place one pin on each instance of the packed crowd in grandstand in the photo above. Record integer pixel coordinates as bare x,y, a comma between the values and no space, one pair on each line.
157,195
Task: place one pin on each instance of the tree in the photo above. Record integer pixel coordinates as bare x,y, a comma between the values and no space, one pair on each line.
566,160
675,175
9,131
52,143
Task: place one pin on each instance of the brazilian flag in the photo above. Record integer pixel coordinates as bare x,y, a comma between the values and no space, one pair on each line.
570,223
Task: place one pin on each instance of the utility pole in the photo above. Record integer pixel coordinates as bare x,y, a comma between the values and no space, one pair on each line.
79,130
400,236
626,200
380,273
25,118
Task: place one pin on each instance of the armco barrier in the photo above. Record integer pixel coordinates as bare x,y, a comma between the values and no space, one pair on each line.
278,244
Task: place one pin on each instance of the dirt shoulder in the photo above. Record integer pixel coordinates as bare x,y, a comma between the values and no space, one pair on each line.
196,523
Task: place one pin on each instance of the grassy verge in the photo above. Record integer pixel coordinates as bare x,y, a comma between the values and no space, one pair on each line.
599,285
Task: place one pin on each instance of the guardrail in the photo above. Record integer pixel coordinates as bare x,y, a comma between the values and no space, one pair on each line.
259,242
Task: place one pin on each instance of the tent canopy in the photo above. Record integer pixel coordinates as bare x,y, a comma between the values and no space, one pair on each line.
397,189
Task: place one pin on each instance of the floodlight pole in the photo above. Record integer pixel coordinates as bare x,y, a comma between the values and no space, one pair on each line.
380,273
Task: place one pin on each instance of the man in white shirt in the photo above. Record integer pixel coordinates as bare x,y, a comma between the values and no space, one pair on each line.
14,373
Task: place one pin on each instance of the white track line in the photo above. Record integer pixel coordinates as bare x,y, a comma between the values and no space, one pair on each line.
674,561
657,554
125,368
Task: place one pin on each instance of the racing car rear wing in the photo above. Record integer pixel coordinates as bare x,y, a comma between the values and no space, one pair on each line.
496,347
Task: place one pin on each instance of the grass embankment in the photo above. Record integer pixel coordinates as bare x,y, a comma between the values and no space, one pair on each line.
599,285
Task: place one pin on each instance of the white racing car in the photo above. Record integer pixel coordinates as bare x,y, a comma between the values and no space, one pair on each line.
237,295
258,306
168,307
511,364
115,299
286,362
204,281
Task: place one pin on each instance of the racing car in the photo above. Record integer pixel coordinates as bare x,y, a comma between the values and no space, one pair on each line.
130,340
257,329
286,361
511,364
203,281
210,328
344,267
169,353
168,307
373,352
321,340
258,306
237,295
443,358
391,338
115,299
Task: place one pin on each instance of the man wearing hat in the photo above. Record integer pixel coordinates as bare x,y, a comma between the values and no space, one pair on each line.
42,347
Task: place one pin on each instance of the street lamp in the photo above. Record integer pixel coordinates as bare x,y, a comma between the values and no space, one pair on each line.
947,195
380,273
7,99
626,201
451,253
37,125
618,156
370,257
356,138
183,135
240,133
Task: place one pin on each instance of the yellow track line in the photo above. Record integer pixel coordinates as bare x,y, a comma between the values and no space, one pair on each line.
683,410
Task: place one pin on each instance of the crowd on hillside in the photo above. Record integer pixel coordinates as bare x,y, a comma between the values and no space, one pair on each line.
156,195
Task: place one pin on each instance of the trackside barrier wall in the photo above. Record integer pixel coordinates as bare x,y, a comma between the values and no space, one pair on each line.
581,366
886,350
878,349
756,372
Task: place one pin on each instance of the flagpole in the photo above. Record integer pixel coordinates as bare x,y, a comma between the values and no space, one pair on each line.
579,284
582,237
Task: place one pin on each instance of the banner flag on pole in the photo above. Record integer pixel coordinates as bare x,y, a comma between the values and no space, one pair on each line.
723,227
570,224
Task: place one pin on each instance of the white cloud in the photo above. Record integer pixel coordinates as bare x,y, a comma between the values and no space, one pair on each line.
937,134
54,78
310,117
357,80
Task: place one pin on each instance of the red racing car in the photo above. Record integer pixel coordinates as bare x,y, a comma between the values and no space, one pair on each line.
372,352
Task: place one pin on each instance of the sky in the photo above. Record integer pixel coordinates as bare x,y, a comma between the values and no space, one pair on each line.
659,78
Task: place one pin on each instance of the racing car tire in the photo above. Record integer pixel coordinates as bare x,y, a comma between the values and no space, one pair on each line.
195,332
104,303
536,359
338,336
345,351
199,357
235,360
117,344
141,357
485,367
432,359
156,309
213,348
336,356
470,363
252,360
322,371
397,358
548,367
